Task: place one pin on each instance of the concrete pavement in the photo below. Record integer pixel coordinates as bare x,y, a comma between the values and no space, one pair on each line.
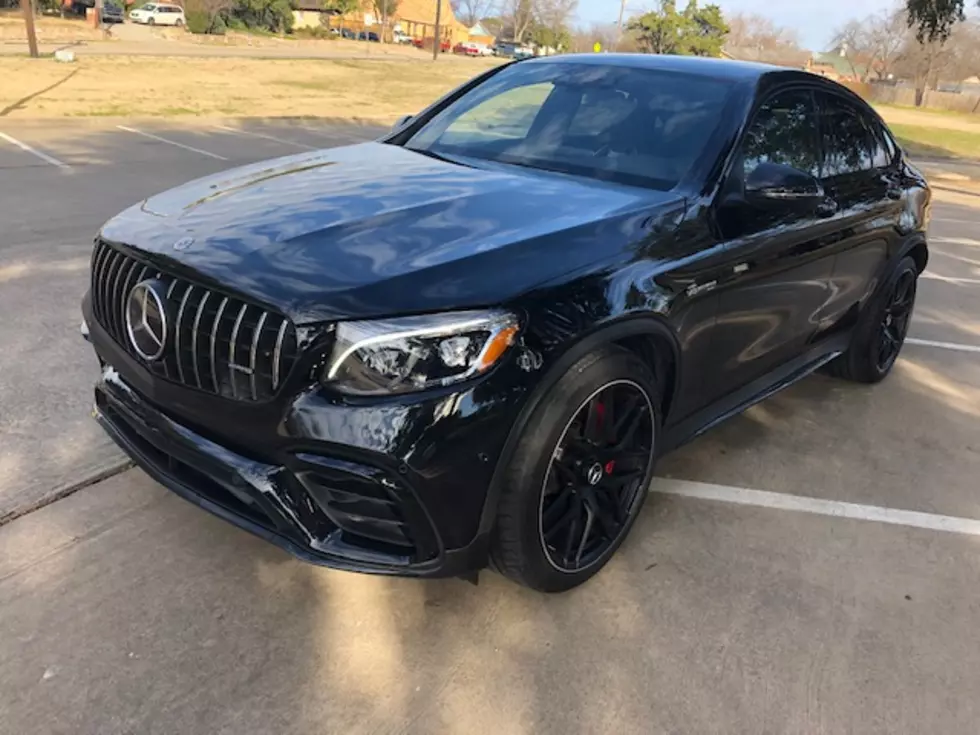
126,610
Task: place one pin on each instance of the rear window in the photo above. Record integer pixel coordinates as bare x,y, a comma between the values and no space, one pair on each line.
635,126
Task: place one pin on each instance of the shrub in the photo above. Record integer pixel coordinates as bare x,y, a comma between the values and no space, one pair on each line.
320,32
198,21
269,15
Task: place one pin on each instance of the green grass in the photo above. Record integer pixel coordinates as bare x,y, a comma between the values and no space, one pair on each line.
936,142
971,117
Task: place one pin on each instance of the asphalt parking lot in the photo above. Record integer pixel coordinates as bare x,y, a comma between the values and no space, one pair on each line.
810,566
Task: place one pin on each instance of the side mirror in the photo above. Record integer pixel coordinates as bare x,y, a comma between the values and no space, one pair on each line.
402,121
777,186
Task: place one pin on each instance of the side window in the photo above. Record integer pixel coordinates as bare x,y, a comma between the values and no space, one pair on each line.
783,131
847,142
883,149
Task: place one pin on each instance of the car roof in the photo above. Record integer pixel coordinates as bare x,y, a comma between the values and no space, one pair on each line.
719,68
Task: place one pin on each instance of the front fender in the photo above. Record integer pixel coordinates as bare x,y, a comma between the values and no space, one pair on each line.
604,333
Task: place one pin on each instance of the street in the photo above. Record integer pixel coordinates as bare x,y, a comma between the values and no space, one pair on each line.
809,566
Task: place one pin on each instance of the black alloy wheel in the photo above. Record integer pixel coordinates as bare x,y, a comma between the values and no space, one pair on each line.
596,476
895,320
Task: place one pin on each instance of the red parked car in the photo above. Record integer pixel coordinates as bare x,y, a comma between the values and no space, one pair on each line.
426,43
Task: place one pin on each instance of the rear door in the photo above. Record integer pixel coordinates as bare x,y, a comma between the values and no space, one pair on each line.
860,172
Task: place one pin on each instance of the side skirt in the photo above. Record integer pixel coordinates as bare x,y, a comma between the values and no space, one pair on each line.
756,391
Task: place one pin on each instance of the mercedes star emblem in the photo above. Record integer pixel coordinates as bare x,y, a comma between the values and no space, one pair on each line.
594,474
146,319
183,243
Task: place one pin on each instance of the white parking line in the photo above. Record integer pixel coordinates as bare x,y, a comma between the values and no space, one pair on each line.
801,504
343,137
953,220
172,142
955,346
284,141
956,241
949,279
40,154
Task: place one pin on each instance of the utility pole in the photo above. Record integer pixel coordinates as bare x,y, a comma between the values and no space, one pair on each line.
437,41
26,6
619,25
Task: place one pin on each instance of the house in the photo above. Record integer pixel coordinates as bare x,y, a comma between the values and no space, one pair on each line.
838,65
312,14
415,18
479,34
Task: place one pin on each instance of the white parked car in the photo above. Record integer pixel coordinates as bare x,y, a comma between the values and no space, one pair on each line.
158,14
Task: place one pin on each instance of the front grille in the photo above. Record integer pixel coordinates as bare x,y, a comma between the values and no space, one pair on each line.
217,343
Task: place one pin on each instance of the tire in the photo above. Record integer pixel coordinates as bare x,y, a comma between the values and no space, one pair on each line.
151,22
552,473
884,323
179,23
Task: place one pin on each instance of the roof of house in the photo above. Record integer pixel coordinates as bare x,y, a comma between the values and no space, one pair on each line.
840,64
424,11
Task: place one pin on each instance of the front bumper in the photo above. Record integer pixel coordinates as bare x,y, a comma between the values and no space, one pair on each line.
391,489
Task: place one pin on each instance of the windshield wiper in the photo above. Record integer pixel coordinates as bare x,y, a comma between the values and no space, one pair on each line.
438,156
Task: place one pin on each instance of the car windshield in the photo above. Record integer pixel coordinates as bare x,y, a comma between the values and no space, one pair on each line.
634,126
149,6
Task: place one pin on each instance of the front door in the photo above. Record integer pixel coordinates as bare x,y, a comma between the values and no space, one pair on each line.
773,268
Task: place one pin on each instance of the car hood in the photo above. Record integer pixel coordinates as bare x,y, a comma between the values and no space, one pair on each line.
375,229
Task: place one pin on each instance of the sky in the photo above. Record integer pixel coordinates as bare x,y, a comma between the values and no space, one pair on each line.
814,20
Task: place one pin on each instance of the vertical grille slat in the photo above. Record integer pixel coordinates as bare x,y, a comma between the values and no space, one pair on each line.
210,349
99,258
116,314
130,281
197,323
180,319
277,355
252,364
115,264
231,351
214,343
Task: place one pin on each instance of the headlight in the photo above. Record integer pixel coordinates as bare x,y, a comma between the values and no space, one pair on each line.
418,352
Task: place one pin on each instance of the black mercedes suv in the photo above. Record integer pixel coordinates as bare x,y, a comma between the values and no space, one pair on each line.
468,342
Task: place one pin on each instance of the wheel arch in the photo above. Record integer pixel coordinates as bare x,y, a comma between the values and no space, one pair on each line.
645,335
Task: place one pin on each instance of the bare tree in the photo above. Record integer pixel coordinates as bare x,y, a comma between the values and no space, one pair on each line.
924,64
750,30
519,16
874,44
471,12
606,34
552,21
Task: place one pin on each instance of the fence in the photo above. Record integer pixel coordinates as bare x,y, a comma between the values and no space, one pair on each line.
895,95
